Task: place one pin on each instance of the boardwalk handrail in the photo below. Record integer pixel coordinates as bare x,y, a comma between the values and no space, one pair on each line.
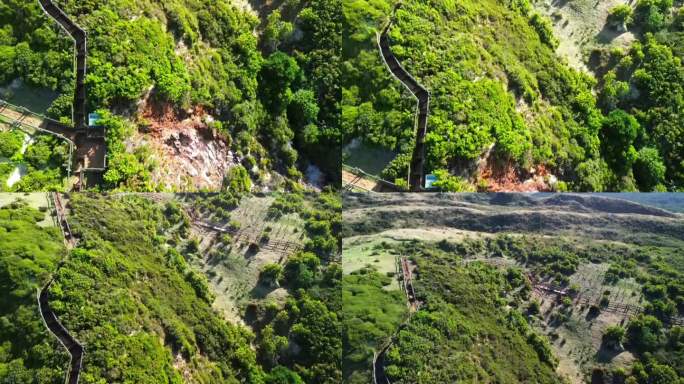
19,123
61,218
55,327
379,365
18,108
364,174
80,38
416,172
50,319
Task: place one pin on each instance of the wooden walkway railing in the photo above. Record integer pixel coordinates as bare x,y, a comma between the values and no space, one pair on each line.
359,175
21,118
60,214
73,347
283,247
52,323
81,43
416,176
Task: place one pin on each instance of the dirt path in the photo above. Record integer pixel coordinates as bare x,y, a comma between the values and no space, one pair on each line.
416,177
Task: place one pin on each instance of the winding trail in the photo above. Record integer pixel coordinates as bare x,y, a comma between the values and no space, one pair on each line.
402,266
88,143
416,176
52,323
50,319
379,376
81,42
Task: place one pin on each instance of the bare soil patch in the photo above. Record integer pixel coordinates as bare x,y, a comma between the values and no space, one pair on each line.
581,24
189,154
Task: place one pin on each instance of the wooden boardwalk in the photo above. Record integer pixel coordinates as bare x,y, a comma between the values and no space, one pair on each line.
356,180
87,153
60,215
407,278
52,323
23,119
416,176
88,143
81,52
73,347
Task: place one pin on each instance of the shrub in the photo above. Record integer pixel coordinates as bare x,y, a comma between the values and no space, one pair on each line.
237,180
612,337
449,183
544,30
620,16
10,143
270,274
649,169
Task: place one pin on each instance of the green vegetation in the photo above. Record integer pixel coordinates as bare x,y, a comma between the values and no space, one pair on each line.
125,170
620,16
651,266
500,83
476,73
130,294
187,53
100,296
448,183
366,324
10,143
607,255
613,336
645,80
43,162
28,255
464,305
297,336
310,318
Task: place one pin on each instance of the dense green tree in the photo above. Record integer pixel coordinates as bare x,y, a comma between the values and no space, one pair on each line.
276,77
10,143
620,16
300,270
448,183
650,14
282,375
276,30
271,274
7,58
618,134
544,30
644,333
593,176
302,109
649,170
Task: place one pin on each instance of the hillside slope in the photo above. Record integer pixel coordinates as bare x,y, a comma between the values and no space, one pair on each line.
30,252
584,288
507,112
201,89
